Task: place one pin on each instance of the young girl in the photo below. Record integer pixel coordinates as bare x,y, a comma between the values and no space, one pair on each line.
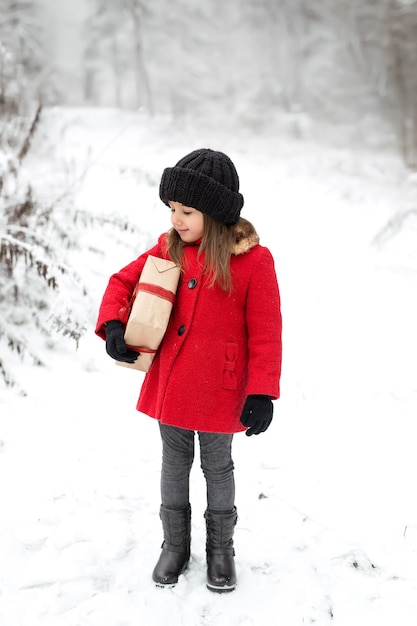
218,367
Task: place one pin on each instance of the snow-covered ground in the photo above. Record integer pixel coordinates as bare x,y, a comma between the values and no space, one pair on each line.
327,530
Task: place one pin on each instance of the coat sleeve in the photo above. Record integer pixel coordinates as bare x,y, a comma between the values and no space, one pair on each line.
120,289
264,326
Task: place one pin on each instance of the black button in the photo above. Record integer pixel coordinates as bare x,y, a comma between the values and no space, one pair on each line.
192,283
181,330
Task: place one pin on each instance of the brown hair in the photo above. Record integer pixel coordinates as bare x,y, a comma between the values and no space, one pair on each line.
217,241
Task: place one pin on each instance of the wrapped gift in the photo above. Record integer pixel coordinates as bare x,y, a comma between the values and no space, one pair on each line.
150,310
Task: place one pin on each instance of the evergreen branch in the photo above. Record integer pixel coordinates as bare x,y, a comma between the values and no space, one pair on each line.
12,250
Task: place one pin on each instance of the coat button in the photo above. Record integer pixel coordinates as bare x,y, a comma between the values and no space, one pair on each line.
192,283
181,330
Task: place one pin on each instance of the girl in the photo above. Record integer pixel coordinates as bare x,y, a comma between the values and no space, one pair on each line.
218,367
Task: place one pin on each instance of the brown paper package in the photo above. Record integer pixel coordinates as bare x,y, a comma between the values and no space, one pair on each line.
151,308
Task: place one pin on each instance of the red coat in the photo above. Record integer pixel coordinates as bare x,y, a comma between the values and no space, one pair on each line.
218,348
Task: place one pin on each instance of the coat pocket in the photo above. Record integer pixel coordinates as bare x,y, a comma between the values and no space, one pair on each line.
229,370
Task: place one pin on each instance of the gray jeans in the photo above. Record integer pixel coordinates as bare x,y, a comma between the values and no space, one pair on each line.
216,463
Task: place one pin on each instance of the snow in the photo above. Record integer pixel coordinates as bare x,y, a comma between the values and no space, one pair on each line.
327,530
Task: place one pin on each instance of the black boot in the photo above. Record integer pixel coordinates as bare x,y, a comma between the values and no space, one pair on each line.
175,547
221,571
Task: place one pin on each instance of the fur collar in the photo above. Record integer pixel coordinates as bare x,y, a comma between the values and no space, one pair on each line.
246,237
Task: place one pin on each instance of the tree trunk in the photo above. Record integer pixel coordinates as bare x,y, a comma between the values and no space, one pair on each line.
143,89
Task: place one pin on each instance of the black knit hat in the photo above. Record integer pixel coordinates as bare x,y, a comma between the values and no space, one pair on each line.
207,181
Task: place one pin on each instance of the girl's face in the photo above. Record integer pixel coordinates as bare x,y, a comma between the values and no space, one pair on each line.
188,222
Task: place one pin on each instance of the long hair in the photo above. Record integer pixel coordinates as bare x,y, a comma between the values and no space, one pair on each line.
218,241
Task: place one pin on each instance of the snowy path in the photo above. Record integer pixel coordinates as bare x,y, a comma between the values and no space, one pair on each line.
80,531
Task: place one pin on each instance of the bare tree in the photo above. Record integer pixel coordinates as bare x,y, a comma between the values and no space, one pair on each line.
136,10
403,30
114,39
22,60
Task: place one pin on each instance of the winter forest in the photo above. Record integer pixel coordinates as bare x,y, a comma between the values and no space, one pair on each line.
316,102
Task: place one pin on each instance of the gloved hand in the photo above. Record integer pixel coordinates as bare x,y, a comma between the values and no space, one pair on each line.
257,414
115,343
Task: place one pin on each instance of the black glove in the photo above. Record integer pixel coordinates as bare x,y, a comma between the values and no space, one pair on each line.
115,343
257,414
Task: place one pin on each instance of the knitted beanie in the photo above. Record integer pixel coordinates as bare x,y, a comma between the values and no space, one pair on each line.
207,181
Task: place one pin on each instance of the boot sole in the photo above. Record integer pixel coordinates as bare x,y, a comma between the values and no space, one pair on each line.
225,589
165,586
